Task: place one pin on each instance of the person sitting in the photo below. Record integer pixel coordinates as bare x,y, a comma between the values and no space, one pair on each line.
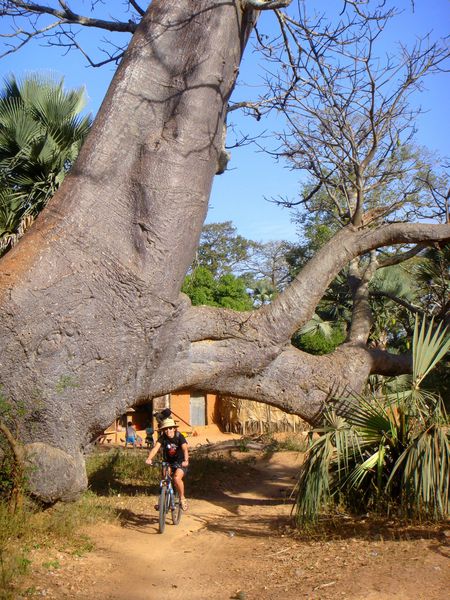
131,436
175,452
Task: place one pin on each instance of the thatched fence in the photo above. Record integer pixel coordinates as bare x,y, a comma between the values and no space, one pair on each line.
247,417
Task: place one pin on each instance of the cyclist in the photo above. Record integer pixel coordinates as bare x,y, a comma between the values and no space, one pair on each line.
175,452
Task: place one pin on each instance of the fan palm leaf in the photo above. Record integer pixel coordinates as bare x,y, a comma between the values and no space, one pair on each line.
41,133
424,469
429,346
318,326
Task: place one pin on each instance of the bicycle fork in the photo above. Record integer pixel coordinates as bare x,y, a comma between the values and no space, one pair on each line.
170,497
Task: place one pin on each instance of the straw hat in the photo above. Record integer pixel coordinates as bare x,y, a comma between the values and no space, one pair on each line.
167,423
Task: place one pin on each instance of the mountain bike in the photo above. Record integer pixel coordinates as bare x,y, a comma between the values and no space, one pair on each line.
168,498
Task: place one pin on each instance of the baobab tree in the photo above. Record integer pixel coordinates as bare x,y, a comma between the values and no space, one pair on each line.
92,318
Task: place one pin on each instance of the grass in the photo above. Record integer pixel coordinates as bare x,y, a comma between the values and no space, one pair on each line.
290,443
125,473
121,472
33,529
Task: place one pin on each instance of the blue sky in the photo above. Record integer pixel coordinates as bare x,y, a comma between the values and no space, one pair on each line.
239,194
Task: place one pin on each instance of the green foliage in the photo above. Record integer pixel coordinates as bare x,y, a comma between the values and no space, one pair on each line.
13,560
432,276
388,453
227,291
319,337
291,443
263,292
12,459
120,471
211,280
221,250
230,292
7,466
41,132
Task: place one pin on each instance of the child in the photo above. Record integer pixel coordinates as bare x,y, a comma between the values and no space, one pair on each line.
175,452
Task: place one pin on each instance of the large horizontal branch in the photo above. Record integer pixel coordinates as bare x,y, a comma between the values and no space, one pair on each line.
388,364
219,351
292,380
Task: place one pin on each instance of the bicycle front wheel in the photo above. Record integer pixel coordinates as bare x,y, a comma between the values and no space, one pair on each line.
162,509
176,511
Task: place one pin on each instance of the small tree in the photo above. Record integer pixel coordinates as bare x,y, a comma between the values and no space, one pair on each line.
12,460
227,291
222,250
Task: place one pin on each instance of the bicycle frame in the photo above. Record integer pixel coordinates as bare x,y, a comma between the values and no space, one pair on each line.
168,498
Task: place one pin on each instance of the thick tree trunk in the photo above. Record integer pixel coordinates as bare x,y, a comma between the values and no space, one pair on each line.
90,297
92,320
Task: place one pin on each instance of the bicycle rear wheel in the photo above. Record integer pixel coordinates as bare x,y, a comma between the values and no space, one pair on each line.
176,511
162,509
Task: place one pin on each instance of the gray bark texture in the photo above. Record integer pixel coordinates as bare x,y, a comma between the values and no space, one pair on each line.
92,320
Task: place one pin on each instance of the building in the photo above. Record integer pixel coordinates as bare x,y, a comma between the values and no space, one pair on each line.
191,410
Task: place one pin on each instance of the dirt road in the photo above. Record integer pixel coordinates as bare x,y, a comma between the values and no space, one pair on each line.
238,544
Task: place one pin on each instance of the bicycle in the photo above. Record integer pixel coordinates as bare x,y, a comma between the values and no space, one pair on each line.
169,498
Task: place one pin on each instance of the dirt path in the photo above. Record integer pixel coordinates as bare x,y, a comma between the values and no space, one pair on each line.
238,544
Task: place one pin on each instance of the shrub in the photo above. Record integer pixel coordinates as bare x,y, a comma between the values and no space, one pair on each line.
389,453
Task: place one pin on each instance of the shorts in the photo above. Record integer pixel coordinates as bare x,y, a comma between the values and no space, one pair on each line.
176,466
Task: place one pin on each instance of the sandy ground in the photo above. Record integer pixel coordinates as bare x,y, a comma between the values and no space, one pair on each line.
238,543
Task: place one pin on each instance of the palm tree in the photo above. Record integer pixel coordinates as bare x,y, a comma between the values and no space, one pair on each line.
41,133
433,277
388,453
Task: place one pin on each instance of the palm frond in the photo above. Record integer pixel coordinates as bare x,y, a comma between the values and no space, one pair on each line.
318,326
429,347
424,468
41,132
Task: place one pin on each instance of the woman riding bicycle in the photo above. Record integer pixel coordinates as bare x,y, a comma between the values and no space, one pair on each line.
175,452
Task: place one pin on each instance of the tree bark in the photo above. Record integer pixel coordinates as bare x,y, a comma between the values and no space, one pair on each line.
92,320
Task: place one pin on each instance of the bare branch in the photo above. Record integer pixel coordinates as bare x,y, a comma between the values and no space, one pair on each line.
414,309
137,8
18,8
438,184
401,257
37,26
73,43
349,124
265,4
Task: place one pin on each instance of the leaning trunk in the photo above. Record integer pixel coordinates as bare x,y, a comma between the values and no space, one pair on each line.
91,295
